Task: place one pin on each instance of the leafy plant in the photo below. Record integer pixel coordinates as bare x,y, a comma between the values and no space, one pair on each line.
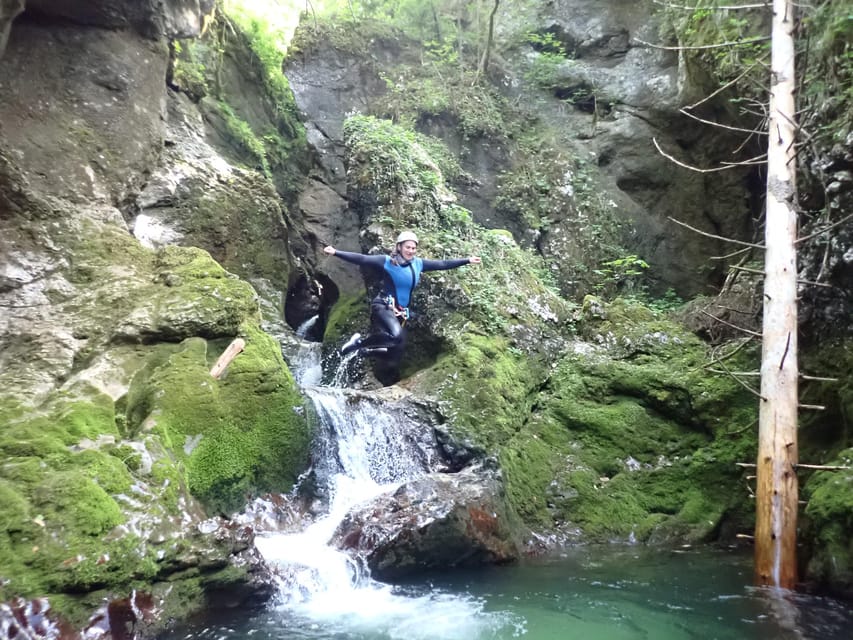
828,83
620,275
551,55
189,73
241,132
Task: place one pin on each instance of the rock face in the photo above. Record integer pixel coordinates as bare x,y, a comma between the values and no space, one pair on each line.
83,108
173,18
609,99
435,522
9,9
623,95
119,449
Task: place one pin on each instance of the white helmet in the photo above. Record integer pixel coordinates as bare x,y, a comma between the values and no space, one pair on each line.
407,235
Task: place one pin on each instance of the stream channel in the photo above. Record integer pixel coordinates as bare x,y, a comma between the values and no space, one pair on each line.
612,592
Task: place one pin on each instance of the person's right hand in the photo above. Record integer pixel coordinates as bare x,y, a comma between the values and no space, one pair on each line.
329,250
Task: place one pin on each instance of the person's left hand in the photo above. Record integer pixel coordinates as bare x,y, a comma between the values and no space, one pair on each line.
474,260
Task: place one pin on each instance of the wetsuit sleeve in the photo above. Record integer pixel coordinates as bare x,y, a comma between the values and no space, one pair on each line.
443,265
361,259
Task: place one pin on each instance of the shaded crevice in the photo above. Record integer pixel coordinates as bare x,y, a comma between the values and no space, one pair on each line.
307,298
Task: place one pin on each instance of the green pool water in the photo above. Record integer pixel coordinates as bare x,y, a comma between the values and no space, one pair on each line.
588,593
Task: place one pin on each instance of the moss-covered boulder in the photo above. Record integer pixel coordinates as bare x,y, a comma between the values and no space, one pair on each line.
828,521
624,438
649,436
235,437
107,336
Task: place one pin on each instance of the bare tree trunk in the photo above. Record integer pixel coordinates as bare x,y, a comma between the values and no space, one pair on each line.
436,22
776,496
484,61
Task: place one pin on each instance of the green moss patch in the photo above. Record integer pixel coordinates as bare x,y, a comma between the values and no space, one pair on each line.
828,520
486,388
239,435
74,497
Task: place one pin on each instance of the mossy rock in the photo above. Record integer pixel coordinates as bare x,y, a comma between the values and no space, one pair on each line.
14,510
107,471
828,520
237,436
486,388
349,314
640,447
73,497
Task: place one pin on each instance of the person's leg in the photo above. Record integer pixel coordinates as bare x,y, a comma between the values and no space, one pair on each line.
386,366
387,332
352,344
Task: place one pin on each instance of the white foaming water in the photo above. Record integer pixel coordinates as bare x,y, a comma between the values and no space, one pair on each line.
307,366
363,449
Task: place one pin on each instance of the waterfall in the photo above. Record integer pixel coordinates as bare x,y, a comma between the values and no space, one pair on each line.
305,363
361,450
364,447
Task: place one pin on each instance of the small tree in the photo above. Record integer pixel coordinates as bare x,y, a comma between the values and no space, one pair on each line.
490,36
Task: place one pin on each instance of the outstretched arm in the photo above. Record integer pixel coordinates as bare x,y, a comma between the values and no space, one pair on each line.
356,258
442,265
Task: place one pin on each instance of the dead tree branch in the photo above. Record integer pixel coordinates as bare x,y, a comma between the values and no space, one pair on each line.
720,125
818,378
812,283
728,165
723,87
825,229
716,237
762,5
730,255
719,45
737,267
823,467
729,324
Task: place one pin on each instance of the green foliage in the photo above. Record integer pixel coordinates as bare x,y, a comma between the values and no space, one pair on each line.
434,89
268,41
551,55
704,30
244,34
824,51
827,91
442,82
448,24
512,286
620,275
707,26
668,302
241,132
557,195
394,163
189,73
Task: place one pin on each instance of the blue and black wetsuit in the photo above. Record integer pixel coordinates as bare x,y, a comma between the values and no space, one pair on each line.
398,284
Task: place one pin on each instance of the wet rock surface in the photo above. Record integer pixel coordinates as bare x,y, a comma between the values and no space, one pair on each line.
437,521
